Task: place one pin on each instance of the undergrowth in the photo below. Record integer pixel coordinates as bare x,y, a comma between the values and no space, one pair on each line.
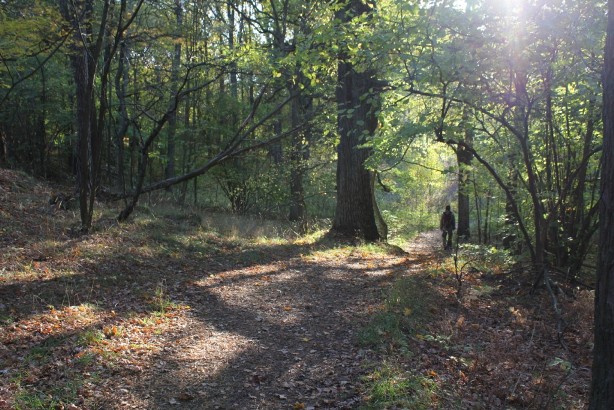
406,309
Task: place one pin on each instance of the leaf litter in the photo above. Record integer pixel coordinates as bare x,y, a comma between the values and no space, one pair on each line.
119,320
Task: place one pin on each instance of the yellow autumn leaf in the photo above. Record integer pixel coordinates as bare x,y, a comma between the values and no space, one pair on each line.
110,331
407,311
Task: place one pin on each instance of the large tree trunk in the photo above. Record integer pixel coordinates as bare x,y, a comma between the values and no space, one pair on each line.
356,213
602,389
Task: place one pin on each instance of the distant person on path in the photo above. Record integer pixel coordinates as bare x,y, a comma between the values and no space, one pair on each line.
447,224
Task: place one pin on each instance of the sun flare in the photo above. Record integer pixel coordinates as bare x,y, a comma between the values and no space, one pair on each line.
504,6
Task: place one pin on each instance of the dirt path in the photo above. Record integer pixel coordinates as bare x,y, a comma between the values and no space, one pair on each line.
281,335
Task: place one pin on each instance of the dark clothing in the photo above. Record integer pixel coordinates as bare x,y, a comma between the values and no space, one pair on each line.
447,221
447,224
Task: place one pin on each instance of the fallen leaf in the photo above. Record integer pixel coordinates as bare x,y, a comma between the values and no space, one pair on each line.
185,397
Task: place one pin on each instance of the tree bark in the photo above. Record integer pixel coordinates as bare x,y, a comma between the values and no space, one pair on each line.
83,60
122,78
602,388
464,157
297,164
299,151
356,213
85,54
169,172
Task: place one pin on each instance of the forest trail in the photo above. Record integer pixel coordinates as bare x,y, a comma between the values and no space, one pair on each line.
284,334
276,335
161,313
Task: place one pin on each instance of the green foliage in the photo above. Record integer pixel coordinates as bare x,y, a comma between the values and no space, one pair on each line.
27,28
419,189
444,67
486,259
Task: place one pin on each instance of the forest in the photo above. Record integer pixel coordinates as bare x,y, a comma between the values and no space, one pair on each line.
191,190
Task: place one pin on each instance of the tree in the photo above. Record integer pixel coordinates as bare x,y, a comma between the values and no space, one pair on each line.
91,60
464,157
30,38
602,388
358,103
172,121
84,56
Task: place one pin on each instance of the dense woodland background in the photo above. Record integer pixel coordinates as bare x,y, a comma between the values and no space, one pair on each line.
238,105
365,117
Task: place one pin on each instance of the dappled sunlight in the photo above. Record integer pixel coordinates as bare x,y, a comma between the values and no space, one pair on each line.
167,314
212,351
260,290
53,322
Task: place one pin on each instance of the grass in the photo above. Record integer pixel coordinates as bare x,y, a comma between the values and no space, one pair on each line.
43,352
392,387
33,393
405,308
5,318
29,398
91,337
161,301
404,314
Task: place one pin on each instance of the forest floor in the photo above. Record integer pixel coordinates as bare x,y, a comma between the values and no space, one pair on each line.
162,313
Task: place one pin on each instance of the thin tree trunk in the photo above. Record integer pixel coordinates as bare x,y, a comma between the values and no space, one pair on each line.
602,387
487,213
298,154
121,90
478,210
464,157
85,52
169,171
42,129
